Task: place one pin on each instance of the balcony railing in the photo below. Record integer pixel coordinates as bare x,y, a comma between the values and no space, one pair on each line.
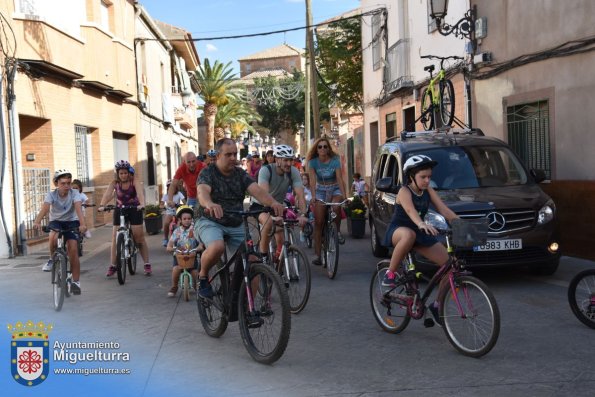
397,71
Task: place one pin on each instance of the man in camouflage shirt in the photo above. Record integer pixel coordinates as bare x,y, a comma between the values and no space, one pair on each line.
222,186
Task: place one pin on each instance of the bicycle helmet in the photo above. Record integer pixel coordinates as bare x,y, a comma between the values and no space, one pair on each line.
122,165
61,172
184,209
283,152
418,161
212,153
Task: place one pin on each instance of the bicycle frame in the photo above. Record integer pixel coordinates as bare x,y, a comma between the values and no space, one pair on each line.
415,307
231,298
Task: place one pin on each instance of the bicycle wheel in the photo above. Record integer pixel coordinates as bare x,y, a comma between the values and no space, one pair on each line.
80,244
212,312
132,259
308,231
59,274
389,311
298,279
473,332
427,110
186,286
265,332
121,259
332,251
581,296
447,102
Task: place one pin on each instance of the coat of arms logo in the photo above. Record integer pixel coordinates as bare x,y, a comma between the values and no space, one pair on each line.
29,347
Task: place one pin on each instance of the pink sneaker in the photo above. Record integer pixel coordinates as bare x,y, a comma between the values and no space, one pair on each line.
147,269
110,271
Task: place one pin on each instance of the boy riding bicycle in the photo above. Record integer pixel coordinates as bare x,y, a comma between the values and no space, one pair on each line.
64,207
276,178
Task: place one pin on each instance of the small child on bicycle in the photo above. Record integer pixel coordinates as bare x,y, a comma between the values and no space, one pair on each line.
78,185
407,229
170,213
64,206
182,238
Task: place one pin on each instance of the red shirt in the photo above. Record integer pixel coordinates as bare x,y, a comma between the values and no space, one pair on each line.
189,177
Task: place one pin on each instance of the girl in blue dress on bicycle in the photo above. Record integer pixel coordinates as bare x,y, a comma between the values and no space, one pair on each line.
407,229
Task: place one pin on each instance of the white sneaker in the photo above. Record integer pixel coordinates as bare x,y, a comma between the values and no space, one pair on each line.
47,267
87,234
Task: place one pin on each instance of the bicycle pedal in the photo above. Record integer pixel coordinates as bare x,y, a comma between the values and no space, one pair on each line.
429,323
254,321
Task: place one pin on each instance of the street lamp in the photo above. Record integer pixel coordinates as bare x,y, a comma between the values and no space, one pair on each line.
465,27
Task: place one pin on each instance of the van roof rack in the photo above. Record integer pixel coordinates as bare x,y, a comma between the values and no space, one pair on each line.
443,130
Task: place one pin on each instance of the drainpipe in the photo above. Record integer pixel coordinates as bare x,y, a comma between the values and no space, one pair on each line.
17,166
3,167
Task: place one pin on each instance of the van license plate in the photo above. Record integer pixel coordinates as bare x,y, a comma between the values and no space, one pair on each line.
500,245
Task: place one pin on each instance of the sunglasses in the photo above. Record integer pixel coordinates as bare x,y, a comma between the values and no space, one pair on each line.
322,146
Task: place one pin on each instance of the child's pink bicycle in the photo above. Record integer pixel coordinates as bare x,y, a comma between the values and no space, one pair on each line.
468,311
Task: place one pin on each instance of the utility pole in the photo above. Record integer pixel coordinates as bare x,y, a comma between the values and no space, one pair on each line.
307,88
312,69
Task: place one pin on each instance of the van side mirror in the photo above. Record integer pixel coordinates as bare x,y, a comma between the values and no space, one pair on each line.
538,175
385,185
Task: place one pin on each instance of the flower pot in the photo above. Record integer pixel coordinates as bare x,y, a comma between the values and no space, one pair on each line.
356,227
153,224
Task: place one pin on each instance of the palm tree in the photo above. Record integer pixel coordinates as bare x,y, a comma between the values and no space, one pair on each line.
214,83
236,112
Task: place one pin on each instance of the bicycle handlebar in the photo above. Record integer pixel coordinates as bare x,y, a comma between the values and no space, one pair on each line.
249,213
330,204
47,229
111,207
185,252
88,205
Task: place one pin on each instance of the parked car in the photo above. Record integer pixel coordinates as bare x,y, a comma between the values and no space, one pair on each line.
477,177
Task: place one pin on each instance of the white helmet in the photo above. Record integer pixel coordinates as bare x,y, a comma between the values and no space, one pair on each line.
61,172
283,152
418,161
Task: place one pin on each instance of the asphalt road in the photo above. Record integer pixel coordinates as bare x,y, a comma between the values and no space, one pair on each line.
335,349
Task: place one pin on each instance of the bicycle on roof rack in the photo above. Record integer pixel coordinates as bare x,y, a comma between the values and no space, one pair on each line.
438,99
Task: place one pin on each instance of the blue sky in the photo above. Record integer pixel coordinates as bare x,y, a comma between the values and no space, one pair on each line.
214,18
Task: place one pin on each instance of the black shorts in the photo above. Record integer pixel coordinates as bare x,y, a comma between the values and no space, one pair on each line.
134,215
64,225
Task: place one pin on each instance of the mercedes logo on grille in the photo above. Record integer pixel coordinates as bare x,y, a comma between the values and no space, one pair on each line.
496,221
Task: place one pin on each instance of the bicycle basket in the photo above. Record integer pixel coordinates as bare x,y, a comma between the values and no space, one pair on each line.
469,232
186,261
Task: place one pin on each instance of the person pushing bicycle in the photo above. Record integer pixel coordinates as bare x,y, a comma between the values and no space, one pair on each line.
407,229
64,206
276,178
223,186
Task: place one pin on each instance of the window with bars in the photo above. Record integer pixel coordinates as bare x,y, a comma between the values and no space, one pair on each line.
82,154
529,134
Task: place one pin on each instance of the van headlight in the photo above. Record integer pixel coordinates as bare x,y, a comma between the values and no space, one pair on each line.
435,219
546,213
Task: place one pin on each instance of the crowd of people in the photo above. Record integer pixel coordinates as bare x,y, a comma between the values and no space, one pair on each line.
196,201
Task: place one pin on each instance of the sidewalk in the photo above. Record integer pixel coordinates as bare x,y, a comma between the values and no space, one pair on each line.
38,254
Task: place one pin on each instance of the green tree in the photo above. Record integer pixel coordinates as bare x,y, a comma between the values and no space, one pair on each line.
339,61
235,113
277,104
215,84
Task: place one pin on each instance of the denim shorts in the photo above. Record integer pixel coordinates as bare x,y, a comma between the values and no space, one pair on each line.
191,202
327,192
63,225
210,231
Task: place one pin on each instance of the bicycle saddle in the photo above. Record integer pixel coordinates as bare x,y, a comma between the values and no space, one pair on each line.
429,68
